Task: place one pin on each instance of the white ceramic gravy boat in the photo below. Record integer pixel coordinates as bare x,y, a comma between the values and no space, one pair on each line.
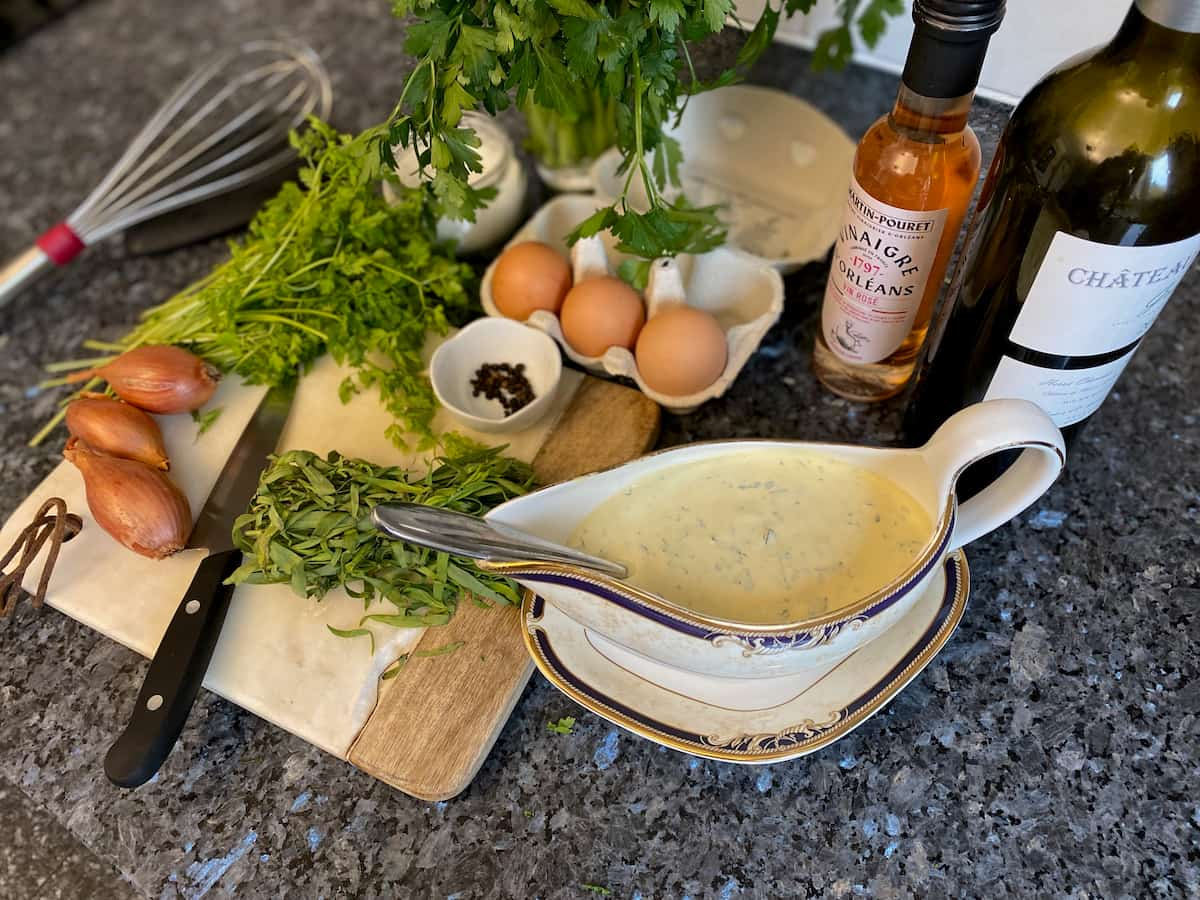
667,632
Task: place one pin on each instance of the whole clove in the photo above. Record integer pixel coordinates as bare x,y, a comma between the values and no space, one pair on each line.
505,383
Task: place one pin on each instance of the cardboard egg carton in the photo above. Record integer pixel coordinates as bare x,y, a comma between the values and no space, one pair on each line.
742,292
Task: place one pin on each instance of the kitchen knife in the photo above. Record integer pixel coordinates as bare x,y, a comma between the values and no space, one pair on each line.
182,658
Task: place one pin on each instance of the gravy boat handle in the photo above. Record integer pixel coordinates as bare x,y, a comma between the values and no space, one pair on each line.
475,538
991,427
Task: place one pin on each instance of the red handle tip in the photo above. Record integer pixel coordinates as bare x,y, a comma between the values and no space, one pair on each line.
61,244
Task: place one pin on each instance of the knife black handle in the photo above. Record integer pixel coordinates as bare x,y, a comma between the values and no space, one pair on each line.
175,675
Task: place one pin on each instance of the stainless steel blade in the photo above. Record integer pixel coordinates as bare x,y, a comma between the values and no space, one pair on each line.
239,479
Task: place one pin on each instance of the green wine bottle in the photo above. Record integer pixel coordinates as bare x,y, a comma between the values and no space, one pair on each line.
1088,219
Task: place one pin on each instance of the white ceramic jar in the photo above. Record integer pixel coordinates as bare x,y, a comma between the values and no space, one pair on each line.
502,170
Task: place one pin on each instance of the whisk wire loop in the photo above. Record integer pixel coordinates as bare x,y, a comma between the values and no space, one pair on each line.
224,126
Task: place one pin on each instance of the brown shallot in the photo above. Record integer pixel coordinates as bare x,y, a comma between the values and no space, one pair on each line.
158,378
139,506
118,429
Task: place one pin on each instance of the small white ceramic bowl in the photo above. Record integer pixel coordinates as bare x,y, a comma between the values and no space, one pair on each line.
492,340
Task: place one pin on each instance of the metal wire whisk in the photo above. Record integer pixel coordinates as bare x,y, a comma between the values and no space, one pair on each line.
224,127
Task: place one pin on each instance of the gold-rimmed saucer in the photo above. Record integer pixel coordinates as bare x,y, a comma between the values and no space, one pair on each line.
750,721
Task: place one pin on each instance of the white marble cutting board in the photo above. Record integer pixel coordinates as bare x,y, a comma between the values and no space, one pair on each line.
275,656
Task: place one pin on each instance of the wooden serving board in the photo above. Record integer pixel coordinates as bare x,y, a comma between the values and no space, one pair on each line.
436,721
275,656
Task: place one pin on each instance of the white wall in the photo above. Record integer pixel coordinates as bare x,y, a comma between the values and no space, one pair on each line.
1035,37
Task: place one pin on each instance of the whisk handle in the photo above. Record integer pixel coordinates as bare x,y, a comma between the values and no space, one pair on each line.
21,271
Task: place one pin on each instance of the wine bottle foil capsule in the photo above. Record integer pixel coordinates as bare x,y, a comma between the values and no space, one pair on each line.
966,17
949,44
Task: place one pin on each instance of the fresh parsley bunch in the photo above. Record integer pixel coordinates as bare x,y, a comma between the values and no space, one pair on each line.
480,55
328,266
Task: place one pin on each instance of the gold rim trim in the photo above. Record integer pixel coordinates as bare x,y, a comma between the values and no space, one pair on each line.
838,616
801,748
1015,445
844,614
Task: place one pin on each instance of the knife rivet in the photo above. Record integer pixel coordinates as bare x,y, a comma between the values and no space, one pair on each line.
154,702
192,607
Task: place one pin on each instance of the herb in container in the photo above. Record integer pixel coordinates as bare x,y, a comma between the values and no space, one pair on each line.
567,56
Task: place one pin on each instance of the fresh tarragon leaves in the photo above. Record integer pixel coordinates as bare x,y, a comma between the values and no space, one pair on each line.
309,526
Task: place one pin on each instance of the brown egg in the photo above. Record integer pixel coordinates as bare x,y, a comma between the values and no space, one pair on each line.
681,350
600,313
530,276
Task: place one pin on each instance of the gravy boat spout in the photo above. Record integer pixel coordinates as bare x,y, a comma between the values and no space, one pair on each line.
669,630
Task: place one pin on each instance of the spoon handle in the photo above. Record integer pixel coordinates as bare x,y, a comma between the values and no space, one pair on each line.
463,535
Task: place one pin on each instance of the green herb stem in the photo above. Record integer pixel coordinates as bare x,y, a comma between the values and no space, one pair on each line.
73,364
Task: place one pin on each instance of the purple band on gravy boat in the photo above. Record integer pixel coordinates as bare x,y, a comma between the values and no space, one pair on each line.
761,642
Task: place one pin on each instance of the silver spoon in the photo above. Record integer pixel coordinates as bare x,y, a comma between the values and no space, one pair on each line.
463,535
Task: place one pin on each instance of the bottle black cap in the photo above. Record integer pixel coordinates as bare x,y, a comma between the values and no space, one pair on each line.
948,45
965,17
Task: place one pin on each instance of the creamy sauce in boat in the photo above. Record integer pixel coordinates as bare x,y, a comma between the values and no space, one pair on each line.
760,539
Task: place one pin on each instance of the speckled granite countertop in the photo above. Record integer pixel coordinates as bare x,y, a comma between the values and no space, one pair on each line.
1051,750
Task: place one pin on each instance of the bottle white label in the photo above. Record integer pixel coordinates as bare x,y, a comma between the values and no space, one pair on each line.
1088,299
1091,298
881,264
1067,395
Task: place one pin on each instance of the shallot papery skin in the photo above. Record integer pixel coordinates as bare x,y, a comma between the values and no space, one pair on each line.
118,429
139,506
159,378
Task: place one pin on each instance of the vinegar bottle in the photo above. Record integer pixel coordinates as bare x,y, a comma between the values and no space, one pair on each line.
1089,218
914,173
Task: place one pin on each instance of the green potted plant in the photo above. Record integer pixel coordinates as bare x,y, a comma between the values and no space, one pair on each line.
578,67
565,144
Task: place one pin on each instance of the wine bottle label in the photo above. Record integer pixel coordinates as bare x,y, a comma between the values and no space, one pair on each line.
1090,298
1066,395
881,264
1088,307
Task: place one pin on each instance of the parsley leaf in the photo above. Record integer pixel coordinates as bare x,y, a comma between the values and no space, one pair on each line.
565,725
667,13
834,49
873,21
715,13
577,8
